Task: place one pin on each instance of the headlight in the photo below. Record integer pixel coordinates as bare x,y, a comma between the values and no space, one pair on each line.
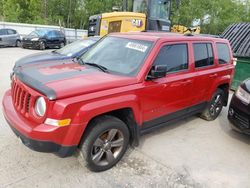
40,106
243,95
35,39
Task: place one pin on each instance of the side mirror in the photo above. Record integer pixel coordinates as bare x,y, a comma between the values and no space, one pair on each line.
157,71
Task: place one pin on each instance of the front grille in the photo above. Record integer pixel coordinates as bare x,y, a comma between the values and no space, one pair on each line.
21,98
242,119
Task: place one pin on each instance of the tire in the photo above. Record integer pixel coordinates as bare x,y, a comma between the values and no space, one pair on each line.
42,45
61,45
214,107
18,43
97,149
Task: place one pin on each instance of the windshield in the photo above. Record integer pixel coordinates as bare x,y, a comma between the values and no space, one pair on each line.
38,33
140,6
75,47
119,55
159,9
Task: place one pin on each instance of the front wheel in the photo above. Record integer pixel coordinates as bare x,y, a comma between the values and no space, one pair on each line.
105,144
214,107
42,45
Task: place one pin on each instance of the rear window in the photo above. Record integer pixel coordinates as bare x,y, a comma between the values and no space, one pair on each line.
203,54
223,53
11,32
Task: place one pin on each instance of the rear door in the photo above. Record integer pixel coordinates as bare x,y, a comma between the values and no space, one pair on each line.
204,69
51,39
4,38
12,36
164,99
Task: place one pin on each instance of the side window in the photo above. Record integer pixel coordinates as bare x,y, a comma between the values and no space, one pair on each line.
11,32
175,57
57,34
203,54
223,53
51,34
3,32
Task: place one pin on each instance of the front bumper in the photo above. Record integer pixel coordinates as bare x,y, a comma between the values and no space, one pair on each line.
36,137
31,44
239,115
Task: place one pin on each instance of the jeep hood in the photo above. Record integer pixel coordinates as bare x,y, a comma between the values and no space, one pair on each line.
39,57
69,79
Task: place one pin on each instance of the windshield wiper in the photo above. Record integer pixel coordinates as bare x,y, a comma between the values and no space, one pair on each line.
102,68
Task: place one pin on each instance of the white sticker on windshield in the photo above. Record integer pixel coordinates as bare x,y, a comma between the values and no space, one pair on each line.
136,46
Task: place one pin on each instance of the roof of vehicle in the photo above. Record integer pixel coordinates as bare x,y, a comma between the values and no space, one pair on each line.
6,29
154,36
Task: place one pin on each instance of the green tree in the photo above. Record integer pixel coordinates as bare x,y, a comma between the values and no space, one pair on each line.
214,15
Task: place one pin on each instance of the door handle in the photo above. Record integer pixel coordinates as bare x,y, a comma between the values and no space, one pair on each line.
212,75
176,84
187,82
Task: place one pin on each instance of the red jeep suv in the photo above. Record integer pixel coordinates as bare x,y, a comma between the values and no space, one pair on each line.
125,86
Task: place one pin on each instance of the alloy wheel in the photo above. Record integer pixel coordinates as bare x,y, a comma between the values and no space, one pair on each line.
107,147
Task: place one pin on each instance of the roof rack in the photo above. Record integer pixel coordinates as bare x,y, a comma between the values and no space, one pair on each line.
202,35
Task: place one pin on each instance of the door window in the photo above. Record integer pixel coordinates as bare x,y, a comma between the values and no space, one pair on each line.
11,32
203,55
223,53
3,32
51,35
174,56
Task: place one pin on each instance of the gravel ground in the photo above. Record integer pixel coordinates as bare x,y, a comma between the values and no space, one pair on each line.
190,153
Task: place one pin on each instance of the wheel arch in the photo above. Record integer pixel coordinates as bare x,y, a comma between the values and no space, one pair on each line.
224,84
126,115
225,88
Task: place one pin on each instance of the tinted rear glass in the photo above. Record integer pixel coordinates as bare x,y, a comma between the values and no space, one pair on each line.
223,53
203,54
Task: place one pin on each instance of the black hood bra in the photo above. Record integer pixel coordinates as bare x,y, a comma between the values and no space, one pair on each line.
32,77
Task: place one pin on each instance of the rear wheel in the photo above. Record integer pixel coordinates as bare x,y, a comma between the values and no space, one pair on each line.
42,45
18,43
105,143
214,107
61,45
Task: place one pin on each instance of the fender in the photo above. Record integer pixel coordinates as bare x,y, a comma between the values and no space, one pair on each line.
92,109
226,79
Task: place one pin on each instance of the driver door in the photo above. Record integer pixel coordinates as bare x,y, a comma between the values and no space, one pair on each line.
166,98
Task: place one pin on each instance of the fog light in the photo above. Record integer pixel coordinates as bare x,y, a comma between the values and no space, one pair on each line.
58,123
231,112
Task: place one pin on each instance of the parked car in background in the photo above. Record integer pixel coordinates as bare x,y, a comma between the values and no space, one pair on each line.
9,37
239,109
43,38
70,51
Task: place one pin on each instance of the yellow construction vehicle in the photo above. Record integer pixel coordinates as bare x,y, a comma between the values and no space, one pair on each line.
142,15
149,15
185,30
